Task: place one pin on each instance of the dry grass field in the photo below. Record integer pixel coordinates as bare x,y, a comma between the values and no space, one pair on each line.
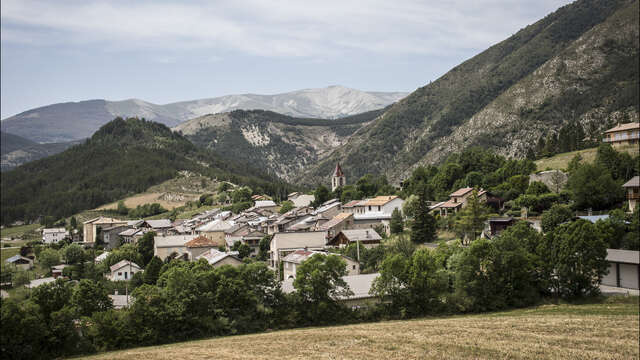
561,161
592,331
150,198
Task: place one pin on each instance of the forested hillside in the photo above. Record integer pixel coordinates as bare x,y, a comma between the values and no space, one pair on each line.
122,158
570,74
281,145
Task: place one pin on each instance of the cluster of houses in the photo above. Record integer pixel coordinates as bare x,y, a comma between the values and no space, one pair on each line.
295,235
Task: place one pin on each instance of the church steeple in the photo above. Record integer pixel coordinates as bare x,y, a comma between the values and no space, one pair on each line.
338,179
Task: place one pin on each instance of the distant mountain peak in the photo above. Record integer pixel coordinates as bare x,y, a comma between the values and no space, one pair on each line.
77,120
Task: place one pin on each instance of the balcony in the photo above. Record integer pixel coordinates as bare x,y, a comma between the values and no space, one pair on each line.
622,137
632,196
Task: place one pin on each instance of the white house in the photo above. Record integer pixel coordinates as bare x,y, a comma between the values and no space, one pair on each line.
372,212
123,270
54,235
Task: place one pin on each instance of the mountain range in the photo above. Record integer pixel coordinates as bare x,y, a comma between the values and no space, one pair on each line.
578,66
576,72
78,120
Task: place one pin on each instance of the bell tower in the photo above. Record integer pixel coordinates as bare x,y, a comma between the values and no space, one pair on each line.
338,179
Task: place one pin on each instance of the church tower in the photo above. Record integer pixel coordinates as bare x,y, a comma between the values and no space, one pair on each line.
338,179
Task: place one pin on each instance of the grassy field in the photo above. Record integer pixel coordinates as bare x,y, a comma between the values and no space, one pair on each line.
150,198
561,161
606,330
7,253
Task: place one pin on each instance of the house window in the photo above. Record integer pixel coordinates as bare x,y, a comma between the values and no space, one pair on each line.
378,207
369,207
125,275
119,274
354,267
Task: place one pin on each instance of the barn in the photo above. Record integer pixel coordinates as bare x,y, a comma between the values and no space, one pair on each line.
624,269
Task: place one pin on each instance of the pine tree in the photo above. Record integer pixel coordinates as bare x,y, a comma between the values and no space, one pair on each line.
396,224
471,219
423,228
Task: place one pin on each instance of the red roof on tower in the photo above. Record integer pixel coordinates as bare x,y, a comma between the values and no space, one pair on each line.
338,171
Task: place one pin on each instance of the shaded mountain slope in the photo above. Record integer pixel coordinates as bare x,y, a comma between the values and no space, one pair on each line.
436,119
279,144
123,157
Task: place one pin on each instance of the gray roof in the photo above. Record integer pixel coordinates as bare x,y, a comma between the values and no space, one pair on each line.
214,256
159,224
634,182
594,218
623,256
172,240
360,285
38,282
265,203
122,264
54,230
361,235
15,258
216,225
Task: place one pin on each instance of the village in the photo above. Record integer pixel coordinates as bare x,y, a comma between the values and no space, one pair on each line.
284,236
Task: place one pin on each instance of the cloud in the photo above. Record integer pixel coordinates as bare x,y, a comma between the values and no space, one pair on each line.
283,28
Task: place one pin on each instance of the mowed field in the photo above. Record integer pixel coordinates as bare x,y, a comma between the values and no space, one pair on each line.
606,330
561,161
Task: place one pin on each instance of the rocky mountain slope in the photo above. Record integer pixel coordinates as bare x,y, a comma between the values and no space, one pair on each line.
78,120
578,65
281,145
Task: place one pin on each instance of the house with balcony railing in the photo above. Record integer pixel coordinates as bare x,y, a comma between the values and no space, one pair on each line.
623,134
633,192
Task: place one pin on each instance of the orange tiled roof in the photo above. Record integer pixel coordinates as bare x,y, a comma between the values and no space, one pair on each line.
379,200
201,241
624,127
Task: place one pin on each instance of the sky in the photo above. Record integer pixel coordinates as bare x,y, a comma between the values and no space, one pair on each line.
168,51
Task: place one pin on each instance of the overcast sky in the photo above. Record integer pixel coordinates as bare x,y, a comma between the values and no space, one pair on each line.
166,51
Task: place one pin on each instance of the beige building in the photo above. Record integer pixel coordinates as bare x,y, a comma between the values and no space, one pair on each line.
633,192
338,223
457,201
199,246
91,227
284,243
165,246
292,261
623,134
215,230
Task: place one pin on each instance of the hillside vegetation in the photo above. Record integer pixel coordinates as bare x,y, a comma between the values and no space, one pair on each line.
561,161
124,157
576,66
281,145
591,331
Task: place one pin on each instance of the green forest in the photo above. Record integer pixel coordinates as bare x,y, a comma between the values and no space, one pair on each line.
122,158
